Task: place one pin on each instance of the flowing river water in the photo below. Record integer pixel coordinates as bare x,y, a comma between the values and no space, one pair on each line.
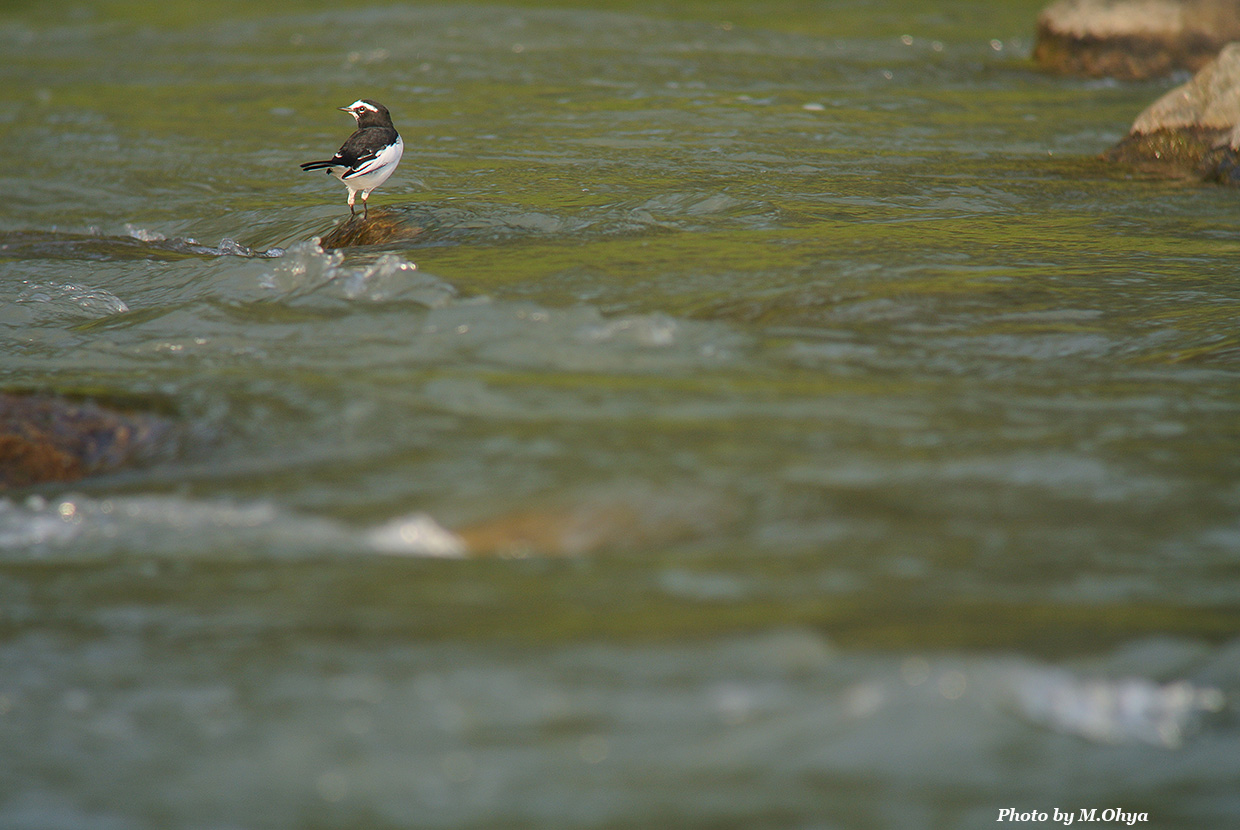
782,419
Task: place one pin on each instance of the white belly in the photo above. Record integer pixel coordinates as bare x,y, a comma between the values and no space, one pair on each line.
374,172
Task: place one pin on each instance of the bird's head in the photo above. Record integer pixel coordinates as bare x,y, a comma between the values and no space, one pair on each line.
368,113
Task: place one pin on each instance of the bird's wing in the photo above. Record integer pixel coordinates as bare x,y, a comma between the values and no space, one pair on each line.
388,155
363,147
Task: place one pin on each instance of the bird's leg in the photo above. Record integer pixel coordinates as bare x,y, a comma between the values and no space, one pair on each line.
352,212
365,204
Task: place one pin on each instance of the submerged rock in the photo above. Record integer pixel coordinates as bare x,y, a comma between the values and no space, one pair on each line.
1221,163
47,438
606,518
379,228
1133,39
1192,130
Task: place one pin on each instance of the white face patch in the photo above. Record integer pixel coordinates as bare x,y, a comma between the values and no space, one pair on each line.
361,105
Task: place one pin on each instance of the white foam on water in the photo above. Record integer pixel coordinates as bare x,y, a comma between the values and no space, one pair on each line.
415,534
1130,710
144,235
76,527
71,299
306,270
227,246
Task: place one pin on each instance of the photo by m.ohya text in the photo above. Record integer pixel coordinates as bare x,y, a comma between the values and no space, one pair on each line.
1085,814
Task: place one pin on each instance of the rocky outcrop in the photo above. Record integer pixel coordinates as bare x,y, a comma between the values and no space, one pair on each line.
1192,130
1133,39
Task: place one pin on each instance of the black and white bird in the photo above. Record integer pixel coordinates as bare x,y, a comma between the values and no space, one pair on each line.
369,156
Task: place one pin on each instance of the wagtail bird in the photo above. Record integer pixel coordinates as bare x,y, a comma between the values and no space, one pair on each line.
369,156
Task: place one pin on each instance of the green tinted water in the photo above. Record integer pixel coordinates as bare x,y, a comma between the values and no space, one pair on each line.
850,435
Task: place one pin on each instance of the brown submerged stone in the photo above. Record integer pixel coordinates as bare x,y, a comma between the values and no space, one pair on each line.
606,518
1221,163
379,228
47,438
1133,39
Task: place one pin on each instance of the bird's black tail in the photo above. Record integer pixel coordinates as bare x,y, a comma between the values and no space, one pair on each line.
317,165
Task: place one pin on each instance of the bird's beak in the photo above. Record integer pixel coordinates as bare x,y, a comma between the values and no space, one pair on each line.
344,109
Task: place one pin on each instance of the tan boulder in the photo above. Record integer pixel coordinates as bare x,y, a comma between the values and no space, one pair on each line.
1189,129
1133,39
